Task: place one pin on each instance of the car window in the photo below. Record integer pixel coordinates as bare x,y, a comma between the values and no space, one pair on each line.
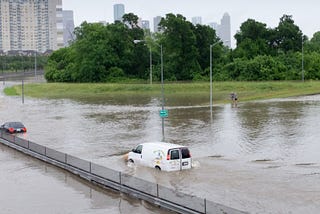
174,154
138,149
17,125
185,153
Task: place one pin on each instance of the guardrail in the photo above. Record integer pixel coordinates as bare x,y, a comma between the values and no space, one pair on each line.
108,178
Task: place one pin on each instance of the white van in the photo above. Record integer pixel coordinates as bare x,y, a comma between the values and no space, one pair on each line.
162,156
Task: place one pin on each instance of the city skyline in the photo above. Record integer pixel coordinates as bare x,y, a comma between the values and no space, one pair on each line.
268,12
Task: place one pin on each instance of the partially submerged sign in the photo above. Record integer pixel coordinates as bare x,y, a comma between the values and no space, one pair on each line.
163,113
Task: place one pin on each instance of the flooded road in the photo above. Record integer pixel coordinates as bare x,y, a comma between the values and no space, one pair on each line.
31,186
262,157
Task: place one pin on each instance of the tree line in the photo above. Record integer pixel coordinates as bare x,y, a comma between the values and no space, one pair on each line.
108,53
14,63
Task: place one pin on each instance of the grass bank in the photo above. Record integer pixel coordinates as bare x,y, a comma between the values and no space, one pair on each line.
246,91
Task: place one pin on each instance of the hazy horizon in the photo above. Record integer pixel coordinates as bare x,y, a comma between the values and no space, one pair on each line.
268,12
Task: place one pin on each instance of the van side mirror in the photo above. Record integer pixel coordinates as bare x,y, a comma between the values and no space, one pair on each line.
134,150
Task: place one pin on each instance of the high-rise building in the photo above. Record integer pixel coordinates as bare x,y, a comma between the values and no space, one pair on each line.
145,24
196,20
118,12
68,27
223,29
156,22
31,25
214,25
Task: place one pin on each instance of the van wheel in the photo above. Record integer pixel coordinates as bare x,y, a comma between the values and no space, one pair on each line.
130,161
157,168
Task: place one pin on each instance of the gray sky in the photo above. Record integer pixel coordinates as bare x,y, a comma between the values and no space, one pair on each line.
305,13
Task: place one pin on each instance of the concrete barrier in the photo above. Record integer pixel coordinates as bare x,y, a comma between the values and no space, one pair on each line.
106,173
139,184
189,201
56,155
79,163
214,208
8,137
21,142
37,148
145,190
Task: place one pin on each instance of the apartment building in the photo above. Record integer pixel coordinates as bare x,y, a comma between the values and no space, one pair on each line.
31,25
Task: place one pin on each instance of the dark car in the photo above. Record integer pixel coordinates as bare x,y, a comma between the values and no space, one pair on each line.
13,127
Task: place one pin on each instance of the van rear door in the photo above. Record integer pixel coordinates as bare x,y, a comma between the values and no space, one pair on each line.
174,159
185,158
180,159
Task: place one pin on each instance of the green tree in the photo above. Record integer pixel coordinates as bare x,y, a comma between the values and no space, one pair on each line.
288,35
58,67
253,39
91,48
180,49
131,19
206,36
314,43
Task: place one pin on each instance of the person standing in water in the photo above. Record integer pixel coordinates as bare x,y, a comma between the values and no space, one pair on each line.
234,99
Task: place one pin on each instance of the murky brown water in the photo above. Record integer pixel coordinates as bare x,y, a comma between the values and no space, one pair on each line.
31,186
262,157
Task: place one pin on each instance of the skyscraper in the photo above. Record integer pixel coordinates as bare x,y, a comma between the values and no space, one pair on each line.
31,25
145,24
225,30
118,12
156,21
196,20
68,27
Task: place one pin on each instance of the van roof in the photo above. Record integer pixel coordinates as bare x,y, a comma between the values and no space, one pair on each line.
162,145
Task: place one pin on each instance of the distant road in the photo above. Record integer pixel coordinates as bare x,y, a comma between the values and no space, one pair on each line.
19,74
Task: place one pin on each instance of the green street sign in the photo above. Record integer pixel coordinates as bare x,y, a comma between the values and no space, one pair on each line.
163,113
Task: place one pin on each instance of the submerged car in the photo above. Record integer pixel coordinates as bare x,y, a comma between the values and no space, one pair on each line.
162,156
13,127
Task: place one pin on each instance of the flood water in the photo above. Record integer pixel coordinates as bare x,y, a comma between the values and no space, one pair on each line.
261,157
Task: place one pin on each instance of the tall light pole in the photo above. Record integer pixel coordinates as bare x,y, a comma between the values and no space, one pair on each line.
211,77
136,41
35,54
162,85
211,74
302,63
35,64
150,66
162,91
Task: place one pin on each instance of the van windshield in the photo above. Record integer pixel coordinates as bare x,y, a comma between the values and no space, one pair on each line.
185,153
138,149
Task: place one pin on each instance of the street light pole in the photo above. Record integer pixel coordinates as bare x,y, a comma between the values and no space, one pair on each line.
211,77
150,66
162,91
35,64
162,87
302,63
211,81
150,57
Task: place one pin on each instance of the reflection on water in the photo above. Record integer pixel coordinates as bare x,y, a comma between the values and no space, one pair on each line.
260,157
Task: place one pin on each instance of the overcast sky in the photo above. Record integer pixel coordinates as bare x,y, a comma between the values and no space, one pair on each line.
306,13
